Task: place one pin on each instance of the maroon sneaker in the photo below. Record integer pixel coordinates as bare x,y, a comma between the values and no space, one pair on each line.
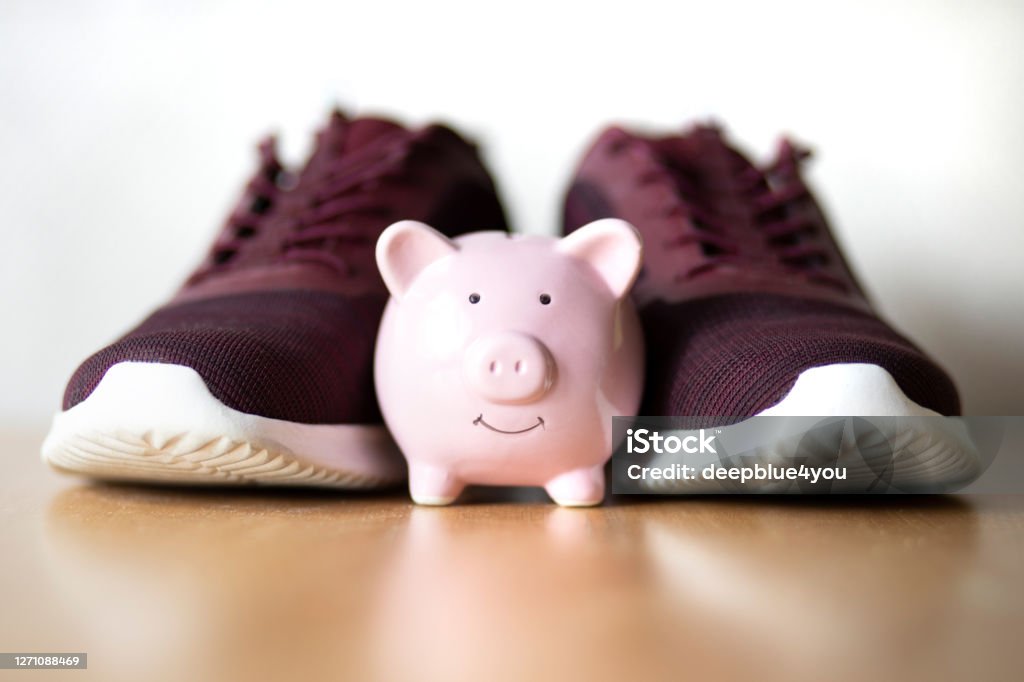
748,305
260,369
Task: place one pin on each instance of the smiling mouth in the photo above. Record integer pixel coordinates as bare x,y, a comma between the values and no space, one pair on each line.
479,421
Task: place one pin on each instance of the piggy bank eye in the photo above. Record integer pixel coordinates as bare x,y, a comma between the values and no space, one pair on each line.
474,298
545,299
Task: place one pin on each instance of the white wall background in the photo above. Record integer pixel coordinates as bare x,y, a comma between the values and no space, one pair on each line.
126,129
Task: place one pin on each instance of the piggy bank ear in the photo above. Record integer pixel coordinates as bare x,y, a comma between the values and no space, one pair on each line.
612,247
404,249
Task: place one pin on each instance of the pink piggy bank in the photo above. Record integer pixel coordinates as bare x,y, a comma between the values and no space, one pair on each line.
501,358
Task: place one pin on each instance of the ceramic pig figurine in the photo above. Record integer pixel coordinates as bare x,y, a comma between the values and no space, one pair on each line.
501,359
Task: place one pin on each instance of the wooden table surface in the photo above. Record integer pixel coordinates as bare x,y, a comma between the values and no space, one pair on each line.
185,584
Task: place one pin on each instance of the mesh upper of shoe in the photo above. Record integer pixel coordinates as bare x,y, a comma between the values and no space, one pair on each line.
271,345
300,356
738,354
743,285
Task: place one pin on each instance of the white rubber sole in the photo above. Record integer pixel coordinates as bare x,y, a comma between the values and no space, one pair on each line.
846,390
159,423
910,447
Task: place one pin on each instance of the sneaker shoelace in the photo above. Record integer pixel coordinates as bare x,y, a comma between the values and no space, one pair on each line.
346,186
786,216
260,195
313,207
771,201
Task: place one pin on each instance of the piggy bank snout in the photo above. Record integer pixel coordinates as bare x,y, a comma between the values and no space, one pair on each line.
508,367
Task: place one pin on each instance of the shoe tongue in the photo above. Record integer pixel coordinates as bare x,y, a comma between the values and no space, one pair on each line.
364,131
706,151
341,137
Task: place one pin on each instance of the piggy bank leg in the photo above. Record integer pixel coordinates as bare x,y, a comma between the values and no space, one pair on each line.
433,486
578,488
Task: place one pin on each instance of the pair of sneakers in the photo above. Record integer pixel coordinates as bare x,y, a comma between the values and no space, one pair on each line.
260,368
